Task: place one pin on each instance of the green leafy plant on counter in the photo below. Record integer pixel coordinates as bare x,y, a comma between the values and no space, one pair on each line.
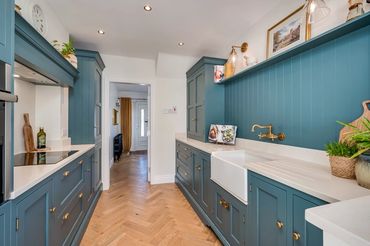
360,137
66,49
341,149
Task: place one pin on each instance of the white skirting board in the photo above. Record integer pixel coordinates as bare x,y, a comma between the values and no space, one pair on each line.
163,179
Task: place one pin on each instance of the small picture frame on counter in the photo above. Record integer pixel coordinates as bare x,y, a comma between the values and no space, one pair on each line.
219,74
222,134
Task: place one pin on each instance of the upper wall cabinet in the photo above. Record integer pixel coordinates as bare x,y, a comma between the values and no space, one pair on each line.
35,52
85,105
6,30
205,99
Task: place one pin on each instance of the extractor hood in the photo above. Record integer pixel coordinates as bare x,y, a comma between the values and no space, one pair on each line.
26,74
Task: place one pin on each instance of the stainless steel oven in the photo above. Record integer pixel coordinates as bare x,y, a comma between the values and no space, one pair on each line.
6,100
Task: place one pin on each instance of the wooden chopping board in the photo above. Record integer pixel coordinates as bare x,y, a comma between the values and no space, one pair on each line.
358,122
29,143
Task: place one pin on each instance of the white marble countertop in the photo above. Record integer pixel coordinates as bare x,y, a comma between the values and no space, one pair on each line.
26,177
348,221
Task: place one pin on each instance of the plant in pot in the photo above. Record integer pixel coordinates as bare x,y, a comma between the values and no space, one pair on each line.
341,162
67,50
360,136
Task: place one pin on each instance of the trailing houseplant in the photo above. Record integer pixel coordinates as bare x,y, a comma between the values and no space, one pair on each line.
361,138
340,156
67,50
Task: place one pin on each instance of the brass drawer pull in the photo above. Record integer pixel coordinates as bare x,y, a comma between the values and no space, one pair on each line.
279,224
80,195
199,168
66,216
66,173
52,210
296,236
186,149
81,162
186,174
224,204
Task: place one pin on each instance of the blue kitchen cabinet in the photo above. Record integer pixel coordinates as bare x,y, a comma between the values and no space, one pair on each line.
205,99
96,167
88,189
276,214
230,216
7,31
85,99
206,188
5,224
34,221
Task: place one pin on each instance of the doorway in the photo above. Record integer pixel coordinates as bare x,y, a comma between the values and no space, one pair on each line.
131,106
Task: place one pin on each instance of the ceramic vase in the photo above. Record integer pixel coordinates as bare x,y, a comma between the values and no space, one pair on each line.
363,171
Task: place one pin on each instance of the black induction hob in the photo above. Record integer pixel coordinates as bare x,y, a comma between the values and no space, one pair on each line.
41,158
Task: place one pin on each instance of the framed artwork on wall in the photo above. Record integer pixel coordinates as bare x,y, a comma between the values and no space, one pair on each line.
115,117
287,33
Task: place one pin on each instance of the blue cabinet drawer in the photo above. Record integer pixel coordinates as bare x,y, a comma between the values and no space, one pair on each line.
70,218
184,153
68,180
183,173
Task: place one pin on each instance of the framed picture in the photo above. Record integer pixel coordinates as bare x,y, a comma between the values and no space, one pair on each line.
115,117
224,134
292,30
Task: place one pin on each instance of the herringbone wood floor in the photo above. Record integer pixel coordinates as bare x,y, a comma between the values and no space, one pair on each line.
134,213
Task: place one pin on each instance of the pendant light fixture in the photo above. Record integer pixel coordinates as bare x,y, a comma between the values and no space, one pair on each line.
316,10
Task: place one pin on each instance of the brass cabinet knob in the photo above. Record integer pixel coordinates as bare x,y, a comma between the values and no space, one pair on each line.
279,224
52,210
186,174
81,162
66,173
66,216
296,236
224,204
80,195
199,168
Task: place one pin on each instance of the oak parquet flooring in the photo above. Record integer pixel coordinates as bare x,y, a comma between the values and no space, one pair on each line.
134,213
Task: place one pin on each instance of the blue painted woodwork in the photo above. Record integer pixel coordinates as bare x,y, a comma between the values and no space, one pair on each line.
96,169
33,217
205,99
270,202
85,99
5,224
304,95
193,178
34,51
7,31
321,39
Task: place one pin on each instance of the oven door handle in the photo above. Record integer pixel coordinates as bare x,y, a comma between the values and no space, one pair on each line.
6,96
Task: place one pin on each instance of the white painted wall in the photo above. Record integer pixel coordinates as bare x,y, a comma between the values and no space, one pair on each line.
115,129
167,80
256,36
55,29
133,95
47,108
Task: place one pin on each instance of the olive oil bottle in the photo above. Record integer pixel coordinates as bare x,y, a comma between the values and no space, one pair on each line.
41,139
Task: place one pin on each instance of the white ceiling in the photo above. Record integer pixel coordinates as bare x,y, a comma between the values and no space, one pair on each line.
125,87
207,27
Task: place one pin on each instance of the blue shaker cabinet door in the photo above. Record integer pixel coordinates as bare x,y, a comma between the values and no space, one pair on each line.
33,218
5,224
6,30
206,185
267,213
304,233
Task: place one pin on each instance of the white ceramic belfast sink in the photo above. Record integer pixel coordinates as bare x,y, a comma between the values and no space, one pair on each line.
228,170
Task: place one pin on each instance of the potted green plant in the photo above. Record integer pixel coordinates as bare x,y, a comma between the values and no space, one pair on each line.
361,138
341,162
67,50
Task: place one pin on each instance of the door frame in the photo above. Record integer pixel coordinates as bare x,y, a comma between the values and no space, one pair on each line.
106,134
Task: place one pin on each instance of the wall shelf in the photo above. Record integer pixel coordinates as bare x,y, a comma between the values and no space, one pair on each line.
334,33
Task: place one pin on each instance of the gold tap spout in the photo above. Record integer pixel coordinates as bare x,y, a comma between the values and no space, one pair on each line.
268,134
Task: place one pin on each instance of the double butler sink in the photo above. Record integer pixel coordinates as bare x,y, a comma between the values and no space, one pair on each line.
228,170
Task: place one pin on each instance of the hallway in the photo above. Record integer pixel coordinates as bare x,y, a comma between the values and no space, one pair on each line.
134,213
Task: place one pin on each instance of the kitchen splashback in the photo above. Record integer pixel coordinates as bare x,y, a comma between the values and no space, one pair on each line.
305,95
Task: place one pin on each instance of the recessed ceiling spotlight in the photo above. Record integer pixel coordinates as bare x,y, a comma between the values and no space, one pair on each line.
143,84
101,32
180,43
147,7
